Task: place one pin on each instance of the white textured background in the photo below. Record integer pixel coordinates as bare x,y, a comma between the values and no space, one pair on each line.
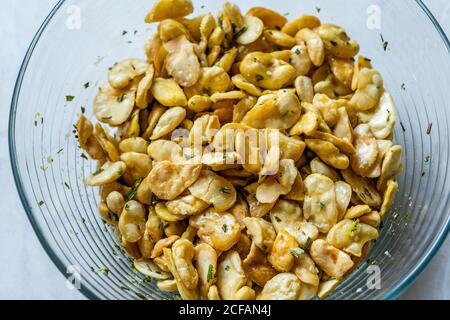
26,272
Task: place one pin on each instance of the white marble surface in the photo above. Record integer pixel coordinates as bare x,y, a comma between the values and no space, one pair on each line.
26,272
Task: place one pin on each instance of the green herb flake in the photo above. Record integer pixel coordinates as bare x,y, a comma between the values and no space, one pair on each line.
333,43
277,219
69,98
225,190
96,173
227,267
403,126
297,51
427,158
154,200
318,9
66,185
83,110
103,270
84,156
121,97
403,86
124,32
210,272
224,228
286,14
41,203
321,206
354,228
388,117
430,126
86,85
384,43
259,77
59,151
133,191
49,160
99,59
296,252
307,244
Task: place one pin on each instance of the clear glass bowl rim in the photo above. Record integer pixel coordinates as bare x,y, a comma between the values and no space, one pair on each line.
395,292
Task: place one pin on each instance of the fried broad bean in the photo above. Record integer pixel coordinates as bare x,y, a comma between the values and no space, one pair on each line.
317,166
328,153
287,215
265,71
206,264
149,269
270,18
251,30
283,252
343,196
351,236
115,202
220,230
108,173
299,58
153,117
363,188
231,279
360,64
261,232
304,88
215,190
142,94
291,28
87,140
279,38
333,261
256,266
170,29
114,106
135,144
161,150
185,292
121,73
138,165
342,70
314,43
391,167
169,180
183,254
169,285
308,124
336,41
381,119
186,205
213,79
305,269
284,286
281,184
320,207
132,221
182,62
389,195
167,9
168,92
168,122
326,287
366,150
369,90
279,110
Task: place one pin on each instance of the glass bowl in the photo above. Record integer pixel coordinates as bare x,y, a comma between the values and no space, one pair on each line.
79,40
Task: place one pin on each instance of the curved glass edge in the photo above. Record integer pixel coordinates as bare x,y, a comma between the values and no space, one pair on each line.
396,291
409,280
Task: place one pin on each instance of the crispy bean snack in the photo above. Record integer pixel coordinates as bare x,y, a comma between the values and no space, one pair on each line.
251,156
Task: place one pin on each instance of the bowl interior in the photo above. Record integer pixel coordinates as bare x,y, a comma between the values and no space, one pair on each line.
81,39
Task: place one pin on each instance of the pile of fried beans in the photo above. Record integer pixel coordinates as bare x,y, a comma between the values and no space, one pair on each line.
247,157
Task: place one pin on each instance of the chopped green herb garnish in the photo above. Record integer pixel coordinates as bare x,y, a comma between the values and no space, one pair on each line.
224,228
101,270
41,203
86,85
84,156
99,59
297,51
66,185
286,14
430,126
318,9
69,98
296,252
49,160
403,86
225,190
333,43
385,43
321,205
388,118
354,228
277,219
284,114
403,126
427,158
83,110
307,244
259,77
210,272
124,32
96,173
154,200
42,167
227,267
121,97
133,191
240,32
59,151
